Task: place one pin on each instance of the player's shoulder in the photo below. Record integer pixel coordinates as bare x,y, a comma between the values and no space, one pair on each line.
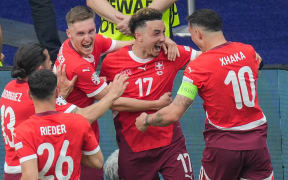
118,55
27,125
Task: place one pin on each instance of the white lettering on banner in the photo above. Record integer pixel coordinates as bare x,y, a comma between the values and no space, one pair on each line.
232,58
13,96
53,130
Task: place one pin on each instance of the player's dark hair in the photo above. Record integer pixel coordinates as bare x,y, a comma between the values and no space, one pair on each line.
79,13
27,58
141,16
42,84
206,18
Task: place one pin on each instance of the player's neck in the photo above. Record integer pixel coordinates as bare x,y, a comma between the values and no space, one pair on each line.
44,106
139,51
214,41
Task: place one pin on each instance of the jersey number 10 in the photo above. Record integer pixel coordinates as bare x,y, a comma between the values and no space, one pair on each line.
232,77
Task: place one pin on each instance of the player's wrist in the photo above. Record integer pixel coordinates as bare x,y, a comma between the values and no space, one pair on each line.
146,122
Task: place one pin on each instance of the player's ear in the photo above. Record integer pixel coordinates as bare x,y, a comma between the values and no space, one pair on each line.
56,92
199,33
29,93
68,33
138,36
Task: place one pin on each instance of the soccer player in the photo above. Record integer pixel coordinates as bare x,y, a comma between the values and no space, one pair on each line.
80,53
225,76
46,144
16,106
159,149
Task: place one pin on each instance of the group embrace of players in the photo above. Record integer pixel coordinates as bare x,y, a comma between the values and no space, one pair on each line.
46,118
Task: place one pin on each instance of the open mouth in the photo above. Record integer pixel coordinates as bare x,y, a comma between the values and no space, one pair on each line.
157,47
87,46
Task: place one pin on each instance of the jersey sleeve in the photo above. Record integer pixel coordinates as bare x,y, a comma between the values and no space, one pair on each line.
106,69
106,45
90,143
88,81
186,54
23,145
63,106
196,74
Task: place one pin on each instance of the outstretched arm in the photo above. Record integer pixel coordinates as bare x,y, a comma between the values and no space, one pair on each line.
161,5
166,115
96,110
104,9
173,112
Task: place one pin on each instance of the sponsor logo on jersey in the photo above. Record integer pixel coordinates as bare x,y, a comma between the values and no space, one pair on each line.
143,68
126,71
190,70
95,79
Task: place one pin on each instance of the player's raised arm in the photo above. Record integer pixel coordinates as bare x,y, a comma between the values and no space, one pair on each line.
96,110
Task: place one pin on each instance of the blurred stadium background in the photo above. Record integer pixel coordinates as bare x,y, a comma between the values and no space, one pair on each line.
262,24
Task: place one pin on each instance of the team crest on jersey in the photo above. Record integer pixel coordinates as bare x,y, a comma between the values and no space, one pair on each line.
60,56
159,67
126,71
95,79
60,101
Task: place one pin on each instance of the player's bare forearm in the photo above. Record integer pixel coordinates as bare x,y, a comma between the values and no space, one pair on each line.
166,115
115,90
161,5
104,9
120,44
136,105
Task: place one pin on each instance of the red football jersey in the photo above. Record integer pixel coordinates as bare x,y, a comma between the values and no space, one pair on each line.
226,77
88,83
50,137
16,107
148,79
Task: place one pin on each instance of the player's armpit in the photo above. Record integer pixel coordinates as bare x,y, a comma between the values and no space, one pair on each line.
29,170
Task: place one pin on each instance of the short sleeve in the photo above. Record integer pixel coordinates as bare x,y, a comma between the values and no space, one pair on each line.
196,74
88,80
105,44
90,143
23,145
186,54
63,106
106,69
